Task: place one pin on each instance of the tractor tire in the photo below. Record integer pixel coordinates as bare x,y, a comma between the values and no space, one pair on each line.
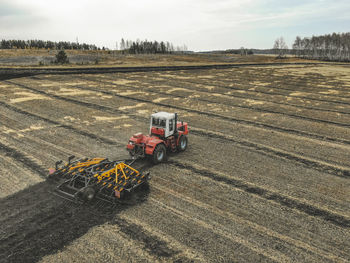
88,194
182,145
159,154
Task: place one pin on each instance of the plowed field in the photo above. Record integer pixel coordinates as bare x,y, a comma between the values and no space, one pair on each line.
266,176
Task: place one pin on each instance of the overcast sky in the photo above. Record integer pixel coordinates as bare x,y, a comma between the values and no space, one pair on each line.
200,24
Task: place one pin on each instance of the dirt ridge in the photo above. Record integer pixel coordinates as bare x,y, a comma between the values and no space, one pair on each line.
241,96
291,203
65,126
235,106
227,118
331,169
309,209
23,158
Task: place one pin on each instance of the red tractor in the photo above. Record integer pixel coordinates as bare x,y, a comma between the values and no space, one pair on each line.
166,133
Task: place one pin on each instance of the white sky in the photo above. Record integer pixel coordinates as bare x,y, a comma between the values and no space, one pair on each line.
200,24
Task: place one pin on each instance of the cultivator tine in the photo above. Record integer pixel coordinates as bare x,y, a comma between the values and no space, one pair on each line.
70,158
57,164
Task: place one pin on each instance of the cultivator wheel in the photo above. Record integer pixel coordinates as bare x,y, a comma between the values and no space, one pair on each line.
85,179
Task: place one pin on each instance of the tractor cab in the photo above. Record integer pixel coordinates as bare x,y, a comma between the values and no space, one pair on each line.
163,124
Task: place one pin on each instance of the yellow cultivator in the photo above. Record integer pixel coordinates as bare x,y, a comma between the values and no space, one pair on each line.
86,178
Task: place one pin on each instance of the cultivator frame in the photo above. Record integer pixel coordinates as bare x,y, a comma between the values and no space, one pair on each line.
84,179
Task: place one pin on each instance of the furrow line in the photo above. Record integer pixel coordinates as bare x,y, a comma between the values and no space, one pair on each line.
294,86
45,231
58,124
209,114
272,92
240,96
296,116
336,170
286,201
151,243
47,225
282,200
217,231
307,82
23,158
241,220
325,167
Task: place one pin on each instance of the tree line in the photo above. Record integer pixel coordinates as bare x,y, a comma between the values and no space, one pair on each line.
149,47
332,47
41,44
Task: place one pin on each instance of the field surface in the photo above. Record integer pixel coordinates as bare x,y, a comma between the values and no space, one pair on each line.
266,176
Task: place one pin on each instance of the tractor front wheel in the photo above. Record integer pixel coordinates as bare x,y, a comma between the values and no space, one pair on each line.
159,154
182,145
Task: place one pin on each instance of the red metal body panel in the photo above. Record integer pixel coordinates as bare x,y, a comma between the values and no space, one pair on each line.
149,142
182,127
157,131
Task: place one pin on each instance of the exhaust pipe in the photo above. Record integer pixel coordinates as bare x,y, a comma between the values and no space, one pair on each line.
175,130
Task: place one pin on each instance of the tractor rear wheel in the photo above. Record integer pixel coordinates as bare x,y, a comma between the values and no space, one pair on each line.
159,154
182,145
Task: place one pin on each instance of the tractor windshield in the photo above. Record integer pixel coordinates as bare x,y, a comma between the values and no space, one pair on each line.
158,122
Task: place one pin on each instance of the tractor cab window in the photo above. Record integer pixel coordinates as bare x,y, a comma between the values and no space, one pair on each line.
158,122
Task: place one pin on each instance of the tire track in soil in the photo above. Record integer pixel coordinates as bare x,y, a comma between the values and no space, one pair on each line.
204,91
142,237
304,82
113,94
243,186
296,116
296,81
54,223
282,200
223,86
58,124
296,84
286,201
271,152
23,158
275,235
219,233
209,114
42,234
150,242
324,167
172,84
36,232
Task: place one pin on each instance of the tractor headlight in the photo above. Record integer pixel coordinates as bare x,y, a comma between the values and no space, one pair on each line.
131,142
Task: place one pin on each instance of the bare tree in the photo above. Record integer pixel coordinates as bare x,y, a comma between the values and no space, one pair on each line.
280,47
334,47
122,44
297,46
243,51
